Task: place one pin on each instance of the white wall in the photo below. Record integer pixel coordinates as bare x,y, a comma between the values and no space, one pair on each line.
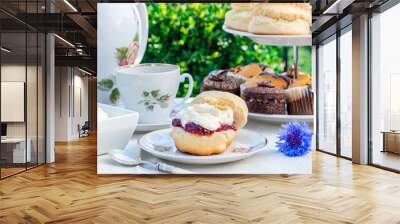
34,125
12,73
62,82
71,94
80,111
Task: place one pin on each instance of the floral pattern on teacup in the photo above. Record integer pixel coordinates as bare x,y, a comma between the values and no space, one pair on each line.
108,87
127,55
153,98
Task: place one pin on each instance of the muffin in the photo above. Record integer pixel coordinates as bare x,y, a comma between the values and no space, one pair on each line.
223,80
209,123
262,97
300,100
252,70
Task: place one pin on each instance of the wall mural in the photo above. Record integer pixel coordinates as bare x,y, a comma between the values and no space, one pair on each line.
204,88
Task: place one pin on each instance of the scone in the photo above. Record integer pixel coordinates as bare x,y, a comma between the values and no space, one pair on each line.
208,125
243,6
223,80
240,16
281,19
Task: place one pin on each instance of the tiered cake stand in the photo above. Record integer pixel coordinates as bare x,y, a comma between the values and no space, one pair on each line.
278,40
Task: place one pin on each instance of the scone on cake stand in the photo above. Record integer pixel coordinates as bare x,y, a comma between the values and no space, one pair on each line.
278,24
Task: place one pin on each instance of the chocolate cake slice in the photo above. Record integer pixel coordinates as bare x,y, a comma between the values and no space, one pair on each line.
222,80
264,98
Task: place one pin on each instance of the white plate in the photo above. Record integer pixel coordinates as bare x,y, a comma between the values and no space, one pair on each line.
161,145
277,40
284,118
152,127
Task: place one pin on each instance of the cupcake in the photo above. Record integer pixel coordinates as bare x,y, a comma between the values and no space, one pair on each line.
252,70
300,100
262,97
223,80
209,123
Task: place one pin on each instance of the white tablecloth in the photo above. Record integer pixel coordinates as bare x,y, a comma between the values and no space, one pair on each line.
270,161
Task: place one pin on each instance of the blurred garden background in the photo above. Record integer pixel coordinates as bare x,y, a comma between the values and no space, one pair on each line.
190,35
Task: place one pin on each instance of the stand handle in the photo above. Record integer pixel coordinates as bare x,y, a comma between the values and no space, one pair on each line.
295,61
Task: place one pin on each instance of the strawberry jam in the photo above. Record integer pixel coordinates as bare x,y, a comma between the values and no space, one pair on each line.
199,130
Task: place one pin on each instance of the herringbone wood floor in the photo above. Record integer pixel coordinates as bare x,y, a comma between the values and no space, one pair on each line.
69,191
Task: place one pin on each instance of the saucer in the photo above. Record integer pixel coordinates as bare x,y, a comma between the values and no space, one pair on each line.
143,127
245,144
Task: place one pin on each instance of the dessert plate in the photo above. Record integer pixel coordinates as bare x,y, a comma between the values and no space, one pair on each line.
161,145
141,127
281,118
277,40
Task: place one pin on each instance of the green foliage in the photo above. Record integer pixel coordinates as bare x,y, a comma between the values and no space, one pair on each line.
304,58
191,36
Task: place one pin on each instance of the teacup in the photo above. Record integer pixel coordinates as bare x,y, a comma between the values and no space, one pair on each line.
150,89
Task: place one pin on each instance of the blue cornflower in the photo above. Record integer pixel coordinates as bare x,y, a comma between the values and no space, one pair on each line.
294,139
